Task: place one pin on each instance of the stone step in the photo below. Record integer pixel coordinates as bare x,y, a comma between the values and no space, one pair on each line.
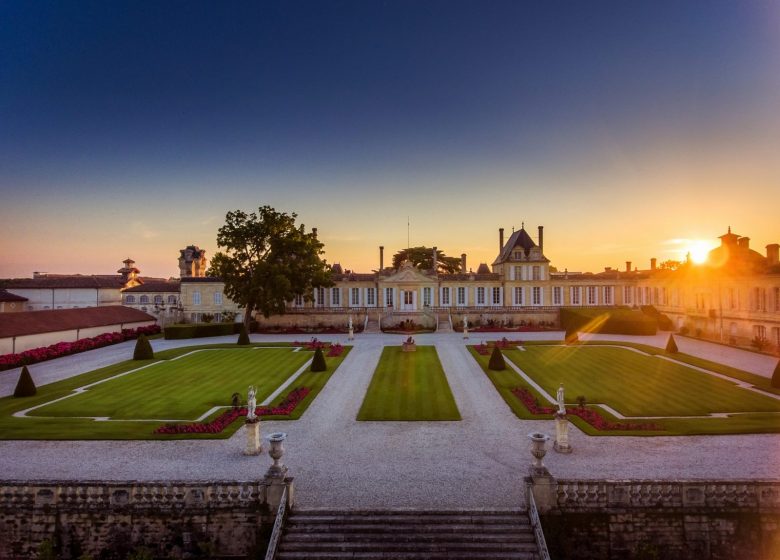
393,537
447,555
435,528
480,548
409,519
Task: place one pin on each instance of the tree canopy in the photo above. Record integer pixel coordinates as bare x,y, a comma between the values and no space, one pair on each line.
266,261
422,257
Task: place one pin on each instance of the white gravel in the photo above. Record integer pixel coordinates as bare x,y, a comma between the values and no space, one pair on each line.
339,462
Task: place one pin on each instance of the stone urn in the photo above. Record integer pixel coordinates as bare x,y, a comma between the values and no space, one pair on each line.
276,451
538,449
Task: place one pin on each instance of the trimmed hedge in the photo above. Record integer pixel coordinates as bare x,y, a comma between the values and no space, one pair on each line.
25,387
201,330
663,321
671,345
143,349
608,321
497,362
318,362
776,376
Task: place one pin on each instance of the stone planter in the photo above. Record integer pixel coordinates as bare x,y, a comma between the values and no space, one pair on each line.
276,451
538,450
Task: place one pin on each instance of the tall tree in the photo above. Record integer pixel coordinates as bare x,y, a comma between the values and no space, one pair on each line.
422,257
267,261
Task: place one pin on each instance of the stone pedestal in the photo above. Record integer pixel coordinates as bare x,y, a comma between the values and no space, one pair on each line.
276,451
351,335
409,347
465,332
561,444
253,441
275,488
545,490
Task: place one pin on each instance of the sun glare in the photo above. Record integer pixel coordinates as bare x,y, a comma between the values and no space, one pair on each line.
699,250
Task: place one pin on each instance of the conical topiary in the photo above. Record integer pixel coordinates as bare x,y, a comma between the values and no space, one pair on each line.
143,349
25,387
497,362
243,336
318,362
776,376
671,345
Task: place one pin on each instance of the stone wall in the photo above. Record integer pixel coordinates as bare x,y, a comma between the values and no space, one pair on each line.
671,520
171,519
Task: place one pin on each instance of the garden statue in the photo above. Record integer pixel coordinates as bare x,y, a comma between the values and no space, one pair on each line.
251,403
559,398
350,322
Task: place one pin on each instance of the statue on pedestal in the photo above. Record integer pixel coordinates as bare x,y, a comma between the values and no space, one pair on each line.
561,443
251,404
559,398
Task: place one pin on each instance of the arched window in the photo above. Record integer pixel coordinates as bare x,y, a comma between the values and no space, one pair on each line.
158,300
172,300
144,299
129,299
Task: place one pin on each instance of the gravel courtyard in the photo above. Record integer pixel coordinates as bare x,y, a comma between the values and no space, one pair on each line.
339,462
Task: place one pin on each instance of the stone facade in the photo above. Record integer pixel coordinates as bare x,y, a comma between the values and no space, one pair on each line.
646,519
171,519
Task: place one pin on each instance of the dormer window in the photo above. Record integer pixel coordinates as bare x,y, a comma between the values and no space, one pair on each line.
518,255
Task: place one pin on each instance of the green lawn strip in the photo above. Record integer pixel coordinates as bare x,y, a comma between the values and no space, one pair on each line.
32,428
506,380
757,381
183,388
409,386
633,384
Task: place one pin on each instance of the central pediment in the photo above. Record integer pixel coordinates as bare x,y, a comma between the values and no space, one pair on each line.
407,274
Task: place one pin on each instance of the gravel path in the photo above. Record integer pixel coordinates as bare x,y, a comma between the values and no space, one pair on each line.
339,462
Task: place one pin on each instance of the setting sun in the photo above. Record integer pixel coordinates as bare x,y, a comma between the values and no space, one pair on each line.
699,249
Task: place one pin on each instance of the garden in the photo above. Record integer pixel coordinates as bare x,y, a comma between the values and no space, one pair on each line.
654,396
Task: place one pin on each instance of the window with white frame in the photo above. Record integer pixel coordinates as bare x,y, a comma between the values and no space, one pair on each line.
518,272
776,336
171,300
627,293
319,296
648,296
536,273
217,298
608,295
481,295
354,299
335,297
195,298
217,317
408,297
298,300
461,293
576,295
557,295
518,255
158,300
519,295
777,299
537,295
129,299
592,292
445,296
145,299
389,297
496,299
370,296
427,297
759,331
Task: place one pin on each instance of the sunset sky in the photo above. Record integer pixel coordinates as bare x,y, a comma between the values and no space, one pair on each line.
630,130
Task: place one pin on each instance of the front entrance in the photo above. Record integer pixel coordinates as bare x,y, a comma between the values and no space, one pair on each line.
408,300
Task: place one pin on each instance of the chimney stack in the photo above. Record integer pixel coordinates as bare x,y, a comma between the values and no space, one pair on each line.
314,232
381,258
773,254
541,239
435,259
744,242
652,263
463,263
500,239
628,266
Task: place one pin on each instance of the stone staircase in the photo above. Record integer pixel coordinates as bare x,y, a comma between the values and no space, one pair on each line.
444,323
372,326
407,534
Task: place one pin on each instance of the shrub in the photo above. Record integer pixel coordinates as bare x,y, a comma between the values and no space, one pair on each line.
200,330
608,321
25,387
581,401
143,349
684,330
776,376
318,362
243,336
497,362
671,345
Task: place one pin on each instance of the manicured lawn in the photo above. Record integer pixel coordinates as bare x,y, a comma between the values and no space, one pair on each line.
637,385
409,386
183,388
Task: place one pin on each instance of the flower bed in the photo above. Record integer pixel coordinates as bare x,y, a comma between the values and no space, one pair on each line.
285,408
35,355
485,349
335,350
588,415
